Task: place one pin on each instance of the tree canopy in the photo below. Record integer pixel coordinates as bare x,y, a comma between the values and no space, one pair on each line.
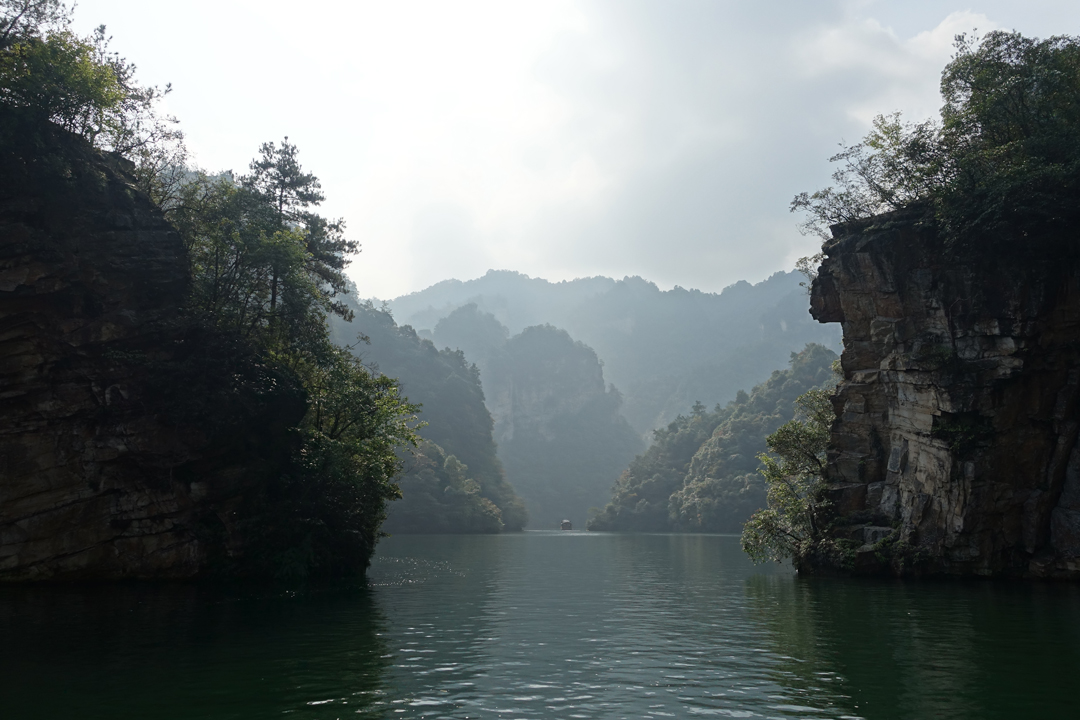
266,273
48,73
793,524
700,472
267,270
1000,166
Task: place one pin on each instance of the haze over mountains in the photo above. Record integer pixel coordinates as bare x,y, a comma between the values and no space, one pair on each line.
557,424
570,380
663,350
573,376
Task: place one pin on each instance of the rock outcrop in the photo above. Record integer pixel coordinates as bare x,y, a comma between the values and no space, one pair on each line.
955,446
118,458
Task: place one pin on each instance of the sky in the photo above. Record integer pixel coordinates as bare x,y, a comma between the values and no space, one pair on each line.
556,138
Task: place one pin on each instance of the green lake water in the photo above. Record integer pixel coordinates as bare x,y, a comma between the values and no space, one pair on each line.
546,625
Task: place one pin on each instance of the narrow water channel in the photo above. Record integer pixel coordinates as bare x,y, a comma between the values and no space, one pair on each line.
545,625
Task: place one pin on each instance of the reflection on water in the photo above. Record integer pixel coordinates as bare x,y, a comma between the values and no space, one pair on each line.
181,651
545,625
930,649
561,625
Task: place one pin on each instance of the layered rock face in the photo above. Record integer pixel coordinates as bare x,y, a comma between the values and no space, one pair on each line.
955,448
98,477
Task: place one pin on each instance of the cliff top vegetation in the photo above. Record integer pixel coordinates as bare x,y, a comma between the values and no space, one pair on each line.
265,273
49,74
1000,167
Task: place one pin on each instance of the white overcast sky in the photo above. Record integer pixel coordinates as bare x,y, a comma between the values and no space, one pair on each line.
560,139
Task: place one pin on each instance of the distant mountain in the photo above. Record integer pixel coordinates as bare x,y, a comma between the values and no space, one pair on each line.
558,427
664,350
455,481
700,472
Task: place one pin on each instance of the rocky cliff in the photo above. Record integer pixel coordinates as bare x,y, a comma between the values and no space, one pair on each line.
561,435
120,456
955,448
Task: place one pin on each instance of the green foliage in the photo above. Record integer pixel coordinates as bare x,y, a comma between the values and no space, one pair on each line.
641,495
309,485
265,272
279,181
457,423
21,20
794,523
265,266
1001,167
962,431
1011,137
895,166
699,474
324,515
808,268
50,75
438,496
60,78
252,275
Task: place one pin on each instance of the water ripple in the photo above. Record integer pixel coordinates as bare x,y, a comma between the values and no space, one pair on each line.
545,625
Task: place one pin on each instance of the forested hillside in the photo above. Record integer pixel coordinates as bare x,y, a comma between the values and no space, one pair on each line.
171,392
664,350
559,428
700,473
454,482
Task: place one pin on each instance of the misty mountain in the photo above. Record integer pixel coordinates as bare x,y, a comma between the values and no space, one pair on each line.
558,426
454,482
700,474
663,349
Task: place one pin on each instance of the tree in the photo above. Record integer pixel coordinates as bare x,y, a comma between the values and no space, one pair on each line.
262,272
21,20
264,266
438,496
1010,138
897,165
240,259
1000,167
808,267
276,176
278,179
336,496
700,473
457,422
793,524
49,75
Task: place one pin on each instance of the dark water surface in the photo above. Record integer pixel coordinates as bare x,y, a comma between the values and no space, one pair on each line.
546,625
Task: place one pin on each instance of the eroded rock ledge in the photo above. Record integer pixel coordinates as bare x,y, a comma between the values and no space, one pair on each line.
955,448
106,469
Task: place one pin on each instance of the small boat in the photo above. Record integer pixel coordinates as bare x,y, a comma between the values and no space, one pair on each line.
565,525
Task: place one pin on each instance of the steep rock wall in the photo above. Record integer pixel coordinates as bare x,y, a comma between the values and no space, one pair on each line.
101,476
955,448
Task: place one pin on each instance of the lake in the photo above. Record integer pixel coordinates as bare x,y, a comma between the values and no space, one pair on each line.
546,625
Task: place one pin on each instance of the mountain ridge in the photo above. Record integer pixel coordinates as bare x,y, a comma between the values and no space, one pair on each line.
664,349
